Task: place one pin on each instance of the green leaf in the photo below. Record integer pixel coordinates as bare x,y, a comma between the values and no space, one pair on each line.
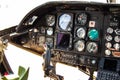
4,78
25,75
21,71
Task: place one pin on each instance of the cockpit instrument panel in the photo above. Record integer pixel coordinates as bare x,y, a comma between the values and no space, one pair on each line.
80,34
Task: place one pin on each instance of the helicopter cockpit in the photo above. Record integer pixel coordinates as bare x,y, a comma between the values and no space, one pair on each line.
79,34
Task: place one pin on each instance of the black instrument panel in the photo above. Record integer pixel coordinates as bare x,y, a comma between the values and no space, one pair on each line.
80,34
112,36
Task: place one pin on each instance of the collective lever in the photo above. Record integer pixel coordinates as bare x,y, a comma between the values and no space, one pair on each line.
49,70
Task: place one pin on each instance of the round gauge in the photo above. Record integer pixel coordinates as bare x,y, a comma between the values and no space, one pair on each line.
82,19
65,22
117,46
93,34
79,45
109,37
42,30
117,38
117,31
41,40
108,45
50,31
107,52
92,47
49,41
50,20
81,32
110,30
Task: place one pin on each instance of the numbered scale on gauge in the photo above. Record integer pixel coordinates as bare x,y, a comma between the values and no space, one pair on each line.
92,47
65,22
80,45
50,20
81,33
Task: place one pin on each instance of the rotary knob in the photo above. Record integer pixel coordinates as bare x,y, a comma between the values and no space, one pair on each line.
109,37
108,45
110,30
107,52
117,38
117,46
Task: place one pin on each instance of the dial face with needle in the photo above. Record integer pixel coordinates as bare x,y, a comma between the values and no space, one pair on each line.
82,18
92,47
81,33
79,45
50,31
50,20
